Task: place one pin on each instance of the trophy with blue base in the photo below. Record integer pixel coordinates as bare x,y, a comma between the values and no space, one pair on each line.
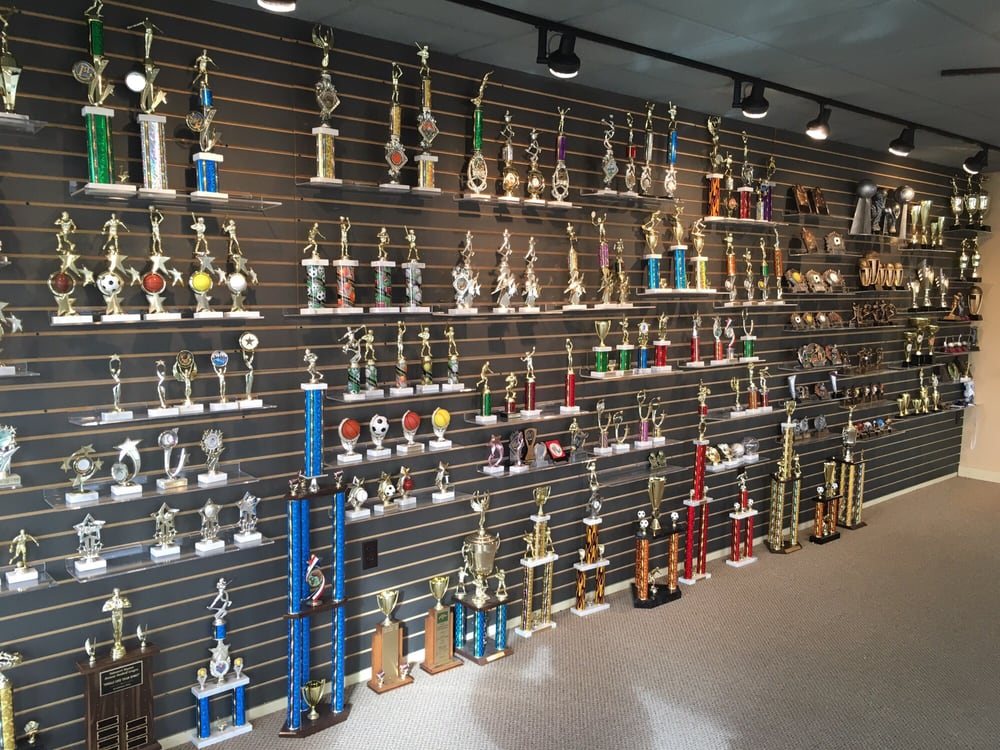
206,161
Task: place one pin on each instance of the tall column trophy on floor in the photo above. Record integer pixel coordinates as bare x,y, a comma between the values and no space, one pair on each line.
787,477
539,554
852,478
740,543
828,501
591,554
696,551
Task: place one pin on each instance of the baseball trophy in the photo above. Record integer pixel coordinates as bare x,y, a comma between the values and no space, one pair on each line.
164,533
413,275
344,269
479,550
696,550
241,278
477,172
206,161
395,154
97,117
646,176
356,497
652,258
560,175
124,473
695,360
122,716
88,534
535,182
609,166
827,506
22,574
569,405
440,420
740,539
389,671
539,553
531,288
439,651
788,473
506,284
233,682
327,100
714,176
591,554
574,288
530,406
315,267
852,478
510,180
465,280
410,422
201,280
212,447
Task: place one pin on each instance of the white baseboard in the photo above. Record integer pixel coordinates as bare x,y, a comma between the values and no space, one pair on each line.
986,476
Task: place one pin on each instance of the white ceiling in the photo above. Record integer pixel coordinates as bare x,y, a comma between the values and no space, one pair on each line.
881,54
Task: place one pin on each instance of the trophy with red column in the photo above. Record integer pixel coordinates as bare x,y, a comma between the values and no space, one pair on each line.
569,405
740,539
696,551
696,360
660,345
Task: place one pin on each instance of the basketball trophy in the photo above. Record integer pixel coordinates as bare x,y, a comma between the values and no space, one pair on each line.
539,553
740,541
788,473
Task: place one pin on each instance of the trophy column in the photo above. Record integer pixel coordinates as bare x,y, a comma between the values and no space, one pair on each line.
788,473
154,158
591,559
695,561
740,544
827,507
325,156
538,554
852,487
649,589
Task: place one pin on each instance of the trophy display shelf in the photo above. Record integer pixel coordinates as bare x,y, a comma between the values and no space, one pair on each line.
725,414
119,700
640,471
238,204
756,303
736,463
424,499
19,370
968,231
673,291
715,364
477,646
842,329
25,581
502,200
11,122
55,497
632,373
576,457
132,558
339,397
93,419
333,463
548,410
627,199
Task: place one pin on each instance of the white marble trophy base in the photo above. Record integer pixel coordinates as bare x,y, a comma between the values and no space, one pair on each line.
606,374
642,444
528,309
203,547
452,387
426,190
569,409
659,440
250,403
443,497
620,447
699,363
408,449
349,458
21,577
220,736
160,552
315,311
661,369
493,470
518,468
374,453
432,388
248,539
530,413
121,318
574,307
599,451
383,508
351,397
741,563
106,190
190,408
78,498
370,394
162,316
71,320
439,445
166,483
406,501
344,310
212,478
157,193
394,187
354,515
407,391
82,565
415,309
692,581
210,197
463,311
243,314
480,419
126,490
208,315
117,416
385,309
223,406
10,482
591,609
744,360
720,362
6,370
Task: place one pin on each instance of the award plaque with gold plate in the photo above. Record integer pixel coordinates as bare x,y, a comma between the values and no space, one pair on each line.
389,671
439,654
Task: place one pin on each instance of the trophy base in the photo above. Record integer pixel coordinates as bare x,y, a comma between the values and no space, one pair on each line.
383,508
480,419
528,309
325,181
406,501
720,362
250,403
742,563
590,609
562,205
463,311
126,490
349,458
348,310
157,194
243,314
208,315
209,196
744,360
484,660
694,579
518,468
384,309
354,515
212,478
116,416
225,734
162,316
699,363
493,470
569,409
602,451
620,447
350,397
315,311
662,596
394,187
21,577
605,374
90,566
408,449
550,625
415,309
432,388
203,547
79,498
223,406
405,391
443,497
374,453
165,551
191,409
824,539
425,190
327,719
385,687
785,548
574,307
248,539
661,368
852,526
438,668
452,387
530,413
439,445
108,190
10,482
71,320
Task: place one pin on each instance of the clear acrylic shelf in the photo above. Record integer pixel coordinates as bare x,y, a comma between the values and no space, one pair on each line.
339,396
424,500
247,204
626,198
549,410
13,123
20,371
186,316
44,581
93,419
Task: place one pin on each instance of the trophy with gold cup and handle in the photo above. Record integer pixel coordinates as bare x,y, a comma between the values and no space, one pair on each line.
389,670
439,653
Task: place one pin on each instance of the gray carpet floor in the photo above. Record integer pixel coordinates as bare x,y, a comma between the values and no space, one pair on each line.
887,638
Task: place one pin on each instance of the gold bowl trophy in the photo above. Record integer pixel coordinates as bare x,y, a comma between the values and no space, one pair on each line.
389,671
479,550
312,694
539,553
439,654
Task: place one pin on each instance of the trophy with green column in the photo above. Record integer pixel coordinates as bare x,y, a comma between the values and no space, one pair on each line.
477,173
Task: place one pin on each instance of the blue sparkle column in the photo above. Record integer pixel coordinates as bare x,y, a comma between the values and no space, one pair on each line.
501,627
338,638
200,121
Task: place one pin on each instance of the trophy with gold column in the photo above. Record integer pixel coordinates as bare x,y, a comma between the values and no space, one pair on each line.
740,544
591,554
646,176
477,173
827,506
714,175
427,127
439,653
206,161
97,117
8,733
539,553
328,100
852,478
389,670
151,125
788,473
696,550
395,154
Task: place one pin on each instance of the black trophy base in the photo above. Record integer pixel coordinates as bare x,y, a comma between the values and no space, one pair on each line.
785,548
662,596
327,719
824,539
490,656
852,527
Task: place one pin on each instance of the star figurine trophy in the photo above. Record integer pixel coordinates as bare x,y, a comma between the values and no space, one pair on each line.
395,154
413,274
439,652
740,540
154,282
535,182
327,100
228,676
97,117
651,233
540,556
315,266
241,277
715,162
510,180
609,166
212,446
164,533
248,343
62,283
111,282
477,173
591,555
151,125
569,405
206,161
574,288
344,269
531,289
123,472
465,281
202,279
389,670
786,478
506,284
22,574
81,465
88,534
427,127
210,528
8,447
440,421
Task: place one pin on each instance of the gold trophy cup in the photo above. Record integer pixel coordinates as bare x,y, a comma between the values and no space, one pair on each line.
312,694
389,670
439,653
603,327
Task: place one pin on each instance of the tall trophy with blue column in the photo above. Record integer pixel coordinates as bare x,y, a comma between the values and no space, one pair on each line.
206,161
223,675
151,125
328,100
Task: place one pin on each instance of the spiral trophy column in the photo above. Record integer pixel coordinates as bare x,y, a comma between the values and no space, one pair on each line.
787,479
539,553
740,540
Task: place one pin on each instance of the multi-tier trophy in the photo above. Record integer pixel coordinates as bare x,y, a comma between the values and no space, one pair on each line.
696,550
122,717
151,125
328,100
827,506
439,650
389,670
560,175
97,117
395,153
591,554
714,176
649,587
539,553
787,477
465,281
852,478
224,674
206,161
427,127
740,539
477,173
479,550
315,267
